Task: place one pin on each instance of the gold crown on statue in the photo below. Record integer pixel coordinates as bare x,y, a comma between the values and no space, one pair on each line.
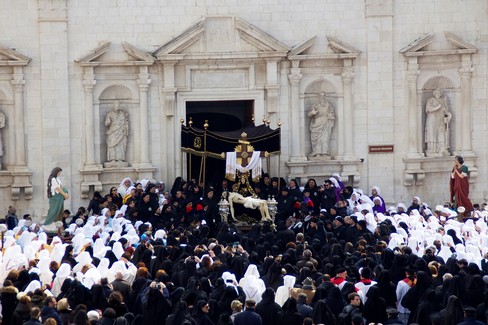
243,172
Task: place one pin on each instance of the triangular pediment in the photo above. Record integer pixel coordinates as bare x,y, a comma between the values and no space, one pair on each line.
10,57
445,43
108,54
323,47
215,37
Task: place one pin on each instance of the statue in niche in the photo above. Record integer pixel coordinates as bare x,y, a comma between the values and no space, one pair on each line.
2,125
117,123
322,120
437,125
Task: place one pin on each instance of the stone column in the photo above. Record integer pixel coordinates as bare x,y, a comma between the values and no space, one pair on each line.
18,85
465,72
296,150
143,82
414,144
88,85
347,134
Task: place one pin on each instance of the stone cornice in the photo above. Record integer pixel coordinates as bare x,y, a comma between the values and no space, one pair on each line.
92,59
267,46
14,58
340,50
461,46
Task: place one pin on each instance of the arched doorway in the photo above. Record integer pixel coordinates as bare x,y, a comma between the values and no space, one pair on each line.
222,116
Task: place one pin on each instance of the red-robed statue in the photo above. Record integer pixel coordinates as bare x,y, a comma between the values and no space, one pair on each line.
459,185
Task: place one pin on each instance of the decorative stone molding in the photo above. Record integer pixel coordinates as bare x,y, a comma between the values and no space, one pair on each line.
416,169
375,8
349,170
313,52
451,53
228,51
17,177
94,82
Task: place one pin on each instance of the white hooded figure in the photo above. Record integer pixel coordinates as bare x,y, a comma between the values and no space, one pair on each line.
45,274
230,280
33,286
84,259
91,277
370,222
283,292
118,250
128,270
62,274
252,285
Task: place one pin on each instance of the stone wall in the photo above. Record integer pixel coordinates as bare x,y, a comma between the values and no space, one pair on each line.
55,34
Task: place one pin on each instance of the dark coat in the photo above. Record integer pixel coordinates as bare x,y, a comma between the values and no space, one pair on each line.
50,312
247,317
9,302
32,321
155,307
21,314
123,287
268,309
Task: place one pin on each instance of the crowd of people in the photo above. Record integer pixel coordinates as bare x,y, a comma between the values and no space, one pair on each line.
145,253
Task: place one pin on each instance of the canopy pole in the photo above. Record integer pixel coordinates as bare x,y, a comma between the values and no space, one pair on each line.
182,122
189,164
268,165
205,127
279,172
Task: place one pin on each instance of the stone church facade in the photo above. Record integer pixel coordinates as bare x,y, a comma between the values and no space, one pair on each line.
65,63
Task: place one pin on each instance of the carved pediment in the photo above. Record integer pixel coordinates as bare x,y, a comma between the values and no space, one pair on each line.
222,37
445,43
10,57
323,47
108,54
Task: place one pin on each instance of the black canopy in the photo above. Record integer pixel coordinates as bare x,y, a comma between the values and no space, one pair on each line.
261,137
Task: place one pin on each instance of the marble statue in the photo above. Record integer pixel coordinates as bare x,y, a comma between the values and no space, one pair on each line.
437,125
250,203
322,120
2,125
117,123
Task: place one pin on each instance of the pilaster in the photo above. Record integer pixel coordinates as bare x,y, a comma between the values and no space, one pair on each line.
272,87
345,131
296,150
143,82
414,116
465,73
89,83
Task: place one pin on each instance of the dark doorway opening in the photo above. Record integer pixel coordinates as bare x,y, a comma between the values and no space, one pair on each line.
222,116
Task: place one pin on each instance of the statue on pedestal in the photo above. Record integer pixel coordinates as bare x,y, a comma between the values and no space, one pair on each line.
117,123
437,125
322,120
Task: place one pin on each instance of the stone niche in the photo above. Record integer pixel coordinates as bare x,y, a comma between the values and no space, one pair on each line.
115,76
444,61
323,65
14,172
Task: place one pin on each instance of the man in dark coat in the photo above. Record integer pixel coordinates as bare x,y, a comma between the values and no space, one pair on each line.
35,313
328,195
49,310
248,316
120,285
469,317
